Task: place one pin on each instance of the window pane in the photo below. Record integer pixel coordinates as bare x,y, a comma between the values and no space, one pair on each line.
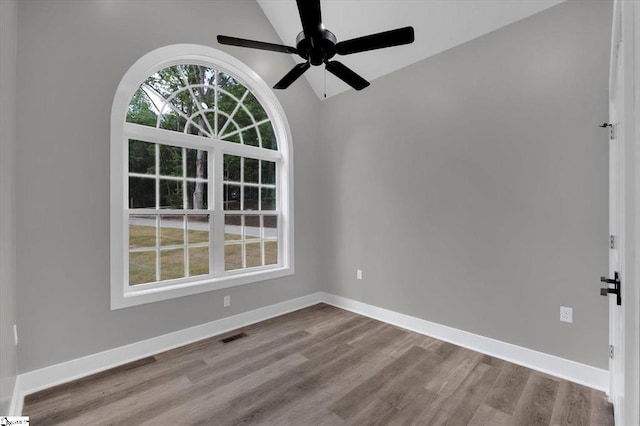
226,105
157,82
270,224
251,227
242,118
197,195
199,74
223,123
268,172
180,99
171,230
254,255
232,227
142,157
141,110
250,137
254,106
197,127
198,229
231,197
171,194
142,267
232,257
250,198
270,252
170,160
167,79
172,121
251,170
231,168
196,163
268,197
230,84
171,264
142,193
211,118
198,261
268,136
142,231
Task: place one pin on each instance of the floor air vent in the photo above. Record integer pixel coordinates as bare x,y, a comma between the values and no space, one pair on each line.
234,337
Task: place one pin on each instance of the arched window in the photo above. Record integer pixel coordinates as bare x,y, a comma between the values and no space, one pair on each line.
201,189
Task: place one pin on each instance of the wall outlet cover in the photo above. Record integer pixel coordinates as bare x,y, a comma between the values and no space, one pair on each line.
566,314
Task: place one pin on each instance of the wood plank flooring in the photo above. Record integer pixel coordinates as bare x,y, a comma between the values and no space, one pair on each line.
320,366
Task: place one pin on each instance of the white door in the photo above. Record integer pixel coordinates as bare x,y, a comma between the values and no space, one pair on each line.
616,220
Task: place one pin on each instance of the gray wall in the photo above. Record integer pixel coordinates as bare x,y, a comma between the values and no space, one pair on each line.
471,188
8,44
71,57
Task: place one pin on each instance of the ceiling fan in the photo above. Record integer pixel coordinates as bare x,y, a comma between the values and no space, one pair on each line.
317,45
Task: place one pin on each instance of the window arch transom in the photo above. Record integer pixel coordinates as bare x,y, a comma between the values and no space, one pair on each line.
203,101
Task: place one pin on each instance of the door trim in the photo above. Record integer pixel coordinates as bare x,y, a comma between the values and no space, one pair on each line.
631,18
627,16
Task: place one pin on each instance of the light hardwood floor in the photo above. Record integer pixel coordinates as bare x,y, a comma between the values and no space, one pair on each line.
320,366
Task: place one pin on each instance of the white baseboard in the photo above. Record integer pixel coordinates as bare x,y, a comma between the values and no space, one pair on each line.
17,399
47,377
570,370
44,378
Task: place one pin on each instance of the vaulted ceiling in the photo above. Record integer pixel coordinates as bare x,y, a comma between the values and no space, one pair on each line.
439,25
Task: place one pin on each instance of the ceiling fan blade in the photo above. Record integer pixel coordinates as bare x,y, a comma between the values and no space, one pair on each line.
292,75
311,19
376,41
241,42
346,74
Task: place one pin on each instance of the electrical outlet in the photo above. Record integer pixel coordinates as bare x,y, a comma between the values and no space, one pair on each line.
566,314
15,333
227,301
359,274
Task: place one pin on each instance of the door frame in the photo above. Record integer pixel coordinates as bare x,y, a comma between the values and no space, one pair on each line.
617,148
626,25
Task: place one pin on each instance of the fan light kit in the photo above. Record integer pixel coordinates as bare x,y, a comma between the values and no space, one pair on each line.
317,45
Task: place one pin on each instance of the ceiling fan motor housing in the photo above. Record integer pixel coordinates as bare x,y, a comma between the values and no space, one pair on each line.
316,53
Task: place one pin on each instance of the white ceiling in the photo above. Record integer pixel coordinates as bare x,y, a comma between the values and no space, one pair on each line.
439,25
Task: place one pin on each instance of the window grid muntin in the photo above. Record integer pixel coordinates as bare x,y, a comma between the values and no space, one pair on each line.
167,103
123,296
158,247
216,93
189,121
261,239
243,212
185,79
192,121
157,176
215,269
235,110
259,185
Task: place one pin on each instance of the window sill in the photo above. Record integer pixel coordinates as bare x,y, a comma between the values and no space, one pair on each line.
140,296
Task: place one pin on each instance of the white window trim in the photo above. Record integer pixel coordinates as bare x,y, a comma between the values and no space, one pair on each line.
122,295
